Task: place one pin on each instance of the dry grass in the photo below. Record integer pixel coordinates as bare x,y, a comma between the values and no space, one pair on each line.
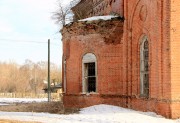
52,107
15,121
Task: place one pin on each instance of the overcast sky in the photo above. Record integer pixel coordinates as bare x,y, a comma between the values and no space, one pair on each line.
24,24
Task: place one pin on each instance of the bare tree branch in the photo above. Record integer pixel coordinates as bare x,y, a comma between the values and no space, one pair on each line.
63,14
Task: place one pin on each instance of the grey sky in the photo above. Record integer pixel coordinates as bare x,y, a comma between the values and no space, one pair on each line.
24,24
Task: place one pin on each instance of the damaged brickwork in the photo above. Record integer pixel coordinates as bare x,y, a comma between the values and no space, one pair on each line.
111,30
104,40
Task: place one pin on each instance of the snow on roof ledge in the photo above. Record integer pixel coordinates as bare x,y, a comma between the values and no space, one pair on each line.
107,17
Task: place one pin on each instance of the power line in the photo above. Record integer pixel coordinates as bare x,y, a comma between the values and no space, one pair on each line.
27,41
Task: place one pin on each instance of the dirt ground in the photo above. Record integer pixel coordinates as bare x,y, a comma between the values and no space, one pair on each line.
52,107
10,121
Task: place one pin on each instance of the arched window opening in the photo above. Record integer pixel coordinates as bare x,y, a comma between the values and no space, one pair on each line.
144,68
89,73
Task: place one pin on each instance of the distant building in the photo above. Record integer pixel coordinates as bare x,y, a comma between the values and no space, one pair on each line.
55,88
131,61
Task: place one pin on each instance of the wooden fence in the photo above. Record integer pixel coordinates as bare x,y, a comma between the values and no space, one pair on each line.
54,96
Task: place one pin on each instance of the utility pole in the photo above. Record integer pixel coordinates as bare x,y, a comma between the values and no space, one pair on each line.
49,89
35,82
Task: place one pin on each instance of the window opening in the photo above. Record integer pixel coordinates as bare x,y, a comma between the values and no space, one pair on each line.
144,68
89,73
90,77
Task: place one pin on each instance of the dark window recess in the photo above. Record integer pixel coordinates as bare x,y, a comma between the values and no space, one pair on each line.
92,84
146,45
146,84
144,68
91,69
91,77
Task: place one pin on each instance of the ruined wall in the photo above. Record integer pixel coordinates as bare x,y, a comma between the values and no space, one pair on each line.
89,8
106,7
83,9
119,59
103,39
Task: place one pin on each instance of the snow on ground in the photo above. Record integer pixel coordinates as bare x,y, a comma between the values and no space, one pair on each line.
93,114
3,104
107,17
21,100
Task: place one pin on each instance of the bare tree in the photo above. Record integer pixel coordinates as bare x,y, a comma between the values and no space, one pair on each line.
62,15
27,77
64,12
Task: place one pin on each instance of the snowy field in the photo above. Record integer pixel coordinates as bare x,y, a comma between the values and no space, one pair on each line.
6,101
93,114
3,104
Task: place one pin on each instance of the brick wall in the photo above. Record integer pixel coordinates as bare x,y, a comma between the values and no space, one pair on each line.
148,18
175,49
175,56
118,58
83,9
102,38
106,7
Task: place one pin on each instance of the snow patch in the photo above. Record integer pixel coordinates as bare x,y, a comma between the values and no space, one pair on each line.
22,100
108,17
94,114
3,104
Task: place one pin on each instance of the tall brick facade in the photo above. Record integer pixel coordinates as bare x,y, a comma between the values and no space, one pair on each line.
117,46
87,8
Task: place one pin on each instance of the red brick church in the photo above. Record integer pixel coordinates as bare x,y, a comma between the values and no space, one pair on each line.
131,60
